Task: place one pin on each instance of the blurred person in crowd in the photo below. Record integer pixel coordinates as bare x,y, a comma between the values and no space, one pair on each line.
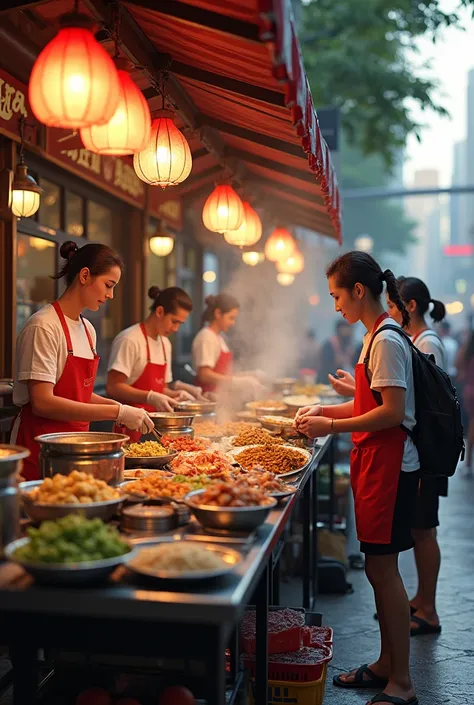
338,352
465,362
310,352
451,347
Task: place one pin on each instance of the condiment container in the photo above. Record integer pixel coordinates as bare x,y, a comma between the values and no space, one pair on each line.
148,519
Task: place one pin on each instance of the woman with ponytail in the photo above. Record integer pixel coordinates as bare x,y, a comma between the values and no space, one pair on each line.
384,462
56,361
139,371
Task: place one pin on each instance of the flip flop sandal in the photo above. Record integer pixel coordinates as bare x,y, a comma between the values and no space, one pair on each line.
412,612
424,627
374,681
384,698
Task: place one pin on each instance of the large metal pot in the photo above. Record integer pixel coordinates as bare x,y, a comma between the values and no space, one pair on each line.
11,463
98,454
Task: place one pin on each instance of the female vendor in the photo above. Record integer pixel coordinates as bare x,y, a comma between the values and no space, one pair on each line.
212,359
56,360
384,463
139,371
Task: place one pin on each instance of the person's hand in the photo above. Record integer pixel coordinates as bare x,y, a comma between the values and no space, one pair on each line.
309,411
343,384
195,392
314,426
184,396
135,419
161,402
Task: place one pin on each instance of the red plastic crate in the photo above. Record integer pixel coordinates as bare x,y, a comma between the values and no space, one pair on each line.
315,636
285,628
302,666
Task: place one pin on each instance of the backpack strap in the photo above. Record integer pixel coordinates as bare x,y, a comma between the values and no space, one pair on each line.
377,395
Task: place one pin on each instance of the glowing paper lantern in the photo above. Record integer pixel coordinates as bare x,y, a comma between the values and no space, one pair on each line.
223,210
166,160
285,279
74,82
128,130
161,245
280,245
249,232
294,264
253,258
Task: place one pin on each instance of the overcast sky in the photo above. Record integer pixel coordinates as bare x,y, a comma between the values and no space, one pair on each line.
452,58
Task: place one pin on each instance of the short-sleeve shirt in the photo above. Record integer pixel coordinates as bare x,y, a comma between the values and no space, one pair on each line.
431,344
129,356
390,365
207,348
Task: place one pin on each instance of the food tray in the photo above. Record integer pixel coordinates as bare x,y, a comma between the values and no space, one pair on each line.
66,573
281,641
313,660
197,407
234,453
155,461
231,559
311,693
38,512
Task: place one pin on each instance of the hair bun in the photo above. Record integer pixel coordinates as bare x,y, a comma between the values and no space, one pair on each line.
154,292
68,249
210,300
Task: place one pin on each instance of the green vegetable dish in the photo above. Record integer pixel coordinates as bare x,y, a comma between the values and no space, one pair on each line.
72,539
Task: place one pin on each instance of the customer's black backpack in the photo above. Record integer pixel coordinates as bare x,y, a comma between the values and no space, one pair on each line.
438,434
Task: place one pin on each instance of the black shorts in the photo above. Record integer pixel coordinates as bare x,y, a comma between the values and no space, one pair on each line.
427,504
403,519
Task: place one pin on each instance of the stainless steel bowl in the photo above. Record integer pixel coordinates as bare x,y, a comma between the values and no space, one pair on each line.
67,573
83,443
179,419
278,427
38,512
230,518
11,459
197,407
155,461
179,433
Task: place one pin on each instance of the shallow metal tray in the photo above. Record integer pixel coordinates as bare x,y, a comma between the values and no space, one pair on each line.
38,512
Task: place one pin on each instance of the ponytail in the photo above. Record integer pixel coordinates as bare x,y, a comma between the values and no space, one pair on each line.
394,295
413,289
438,312
97,258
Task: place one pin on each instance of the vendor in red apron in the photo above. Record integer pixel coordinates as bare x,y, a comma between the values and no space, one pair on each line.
212,358
384,463
56,358
139,370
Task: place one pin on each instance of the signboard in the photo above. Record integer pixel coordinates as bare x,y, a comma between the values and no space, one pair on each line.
14,105
329,122
166,206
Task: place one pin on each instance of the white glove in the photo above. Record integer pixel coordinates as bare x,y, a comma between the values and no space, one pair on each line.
196,392
161,402
343,384
135,419
184,396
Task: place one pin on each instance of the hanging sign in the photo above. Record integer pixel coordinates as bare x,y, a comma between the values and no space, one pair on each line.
14,105
166,206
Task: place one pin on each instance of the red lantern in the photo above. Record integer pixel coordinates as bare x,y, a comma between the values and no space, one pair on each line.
166,160
294,264
74,82
249,232
280,245
128,130
223,210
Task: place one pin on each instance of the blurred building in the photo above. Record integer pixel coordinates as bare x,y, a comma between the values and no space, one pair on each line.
459,202
426,212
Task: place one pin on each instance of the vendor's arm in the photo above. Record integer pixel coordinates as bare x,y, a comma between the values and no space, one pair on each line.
196,392
45,403
117,388
97,399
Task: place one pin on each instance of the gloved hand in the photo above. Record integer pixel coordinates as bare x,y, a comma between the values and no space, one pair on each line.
160,401
308,411
135,419
184,396
343,384
196,392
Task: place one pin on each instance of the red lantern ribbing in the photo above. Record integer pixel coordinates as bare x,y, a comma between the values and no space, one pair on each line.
223,210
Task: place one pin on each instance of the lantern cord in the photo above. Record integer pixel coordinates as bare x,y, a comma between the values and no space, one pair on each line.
116,29
21,126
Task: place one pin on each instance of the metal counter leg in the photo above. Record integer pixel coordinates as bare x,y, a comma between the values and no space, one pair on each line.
314,523
261,619
216,666
306,506
275,600
24,660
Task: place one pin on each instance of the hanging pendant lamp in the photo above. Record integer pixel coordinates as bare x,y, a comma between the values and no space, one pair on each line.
280,245
294,264
128,130
249,232
252,258
285,279
223,210
25,192
161,243
74,82
166,159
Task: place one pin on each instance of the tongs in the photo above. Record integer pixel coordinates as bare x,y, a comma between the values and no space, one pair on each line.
157,434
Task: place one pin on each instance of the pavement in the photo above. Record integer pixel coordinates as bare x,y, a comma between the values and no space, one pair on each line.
442,665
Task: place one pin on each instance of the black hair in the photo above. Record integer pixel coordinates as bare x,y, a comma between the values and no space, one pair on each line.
98,259
413,289
223,302
171,299
360,267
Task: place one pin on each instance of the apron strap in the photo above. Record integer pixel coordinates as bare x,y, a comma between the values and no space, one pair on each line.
64,326
89,338
143,329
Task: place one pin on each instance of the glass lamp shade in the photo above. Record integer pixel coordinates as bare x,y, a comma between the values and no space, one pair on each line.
26,194
161,245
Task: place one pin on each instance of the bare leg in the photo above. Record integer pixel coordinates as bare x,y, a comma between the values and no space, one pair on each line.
428,560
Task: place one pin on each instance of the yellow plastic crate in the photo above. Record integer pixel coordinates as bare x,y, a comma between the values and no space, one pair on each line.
286,693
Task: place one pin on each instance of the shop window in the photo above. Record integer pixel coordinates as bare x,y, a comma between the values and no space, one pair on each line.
50,205
99,224
210,275
74,214
34,286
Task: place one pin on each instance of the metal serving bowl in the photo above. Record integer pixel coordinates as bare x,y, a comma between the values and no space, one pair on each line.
67,573
176,420
197,407
153,461
11,460
284,385
81,443
230,518
39,512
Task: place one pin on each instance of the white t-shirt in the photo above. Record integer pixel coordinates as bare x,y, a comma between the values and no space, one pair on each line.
128,354
431,344
41,350
207,348
451,346
390,366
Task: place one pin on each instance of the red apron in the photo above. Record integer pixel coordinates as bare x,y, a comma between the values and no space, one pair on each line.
223,367
153,378
76,383
376,463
